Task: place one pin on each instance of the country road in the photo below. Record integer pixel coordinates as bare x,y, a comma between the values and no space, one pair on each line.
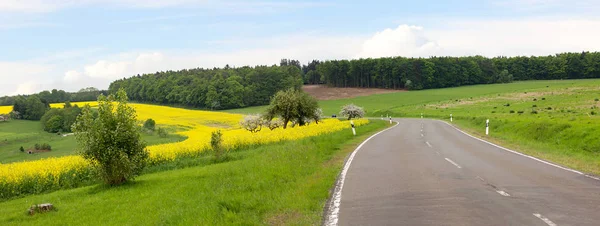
426,172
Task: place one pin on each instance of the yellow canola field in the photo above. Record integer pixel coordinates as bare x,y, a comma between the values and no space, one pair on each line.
5,109
15,177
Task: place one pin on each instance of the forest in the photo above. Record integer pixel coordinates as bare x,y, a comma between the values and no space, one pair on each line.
218,88
57,96
440,72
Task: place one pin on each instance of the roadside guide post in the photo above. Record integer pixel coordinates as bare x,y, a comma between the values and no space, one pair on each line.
450,117
353,130
487,127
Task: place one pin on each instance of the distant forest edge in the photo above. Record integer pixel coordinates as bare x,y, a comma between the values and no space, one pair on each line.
57,96
218,88
226,88
230,87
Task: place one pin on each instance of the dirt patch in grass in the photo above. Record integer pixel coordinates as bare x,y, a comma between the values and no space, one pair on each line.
284,218
322,92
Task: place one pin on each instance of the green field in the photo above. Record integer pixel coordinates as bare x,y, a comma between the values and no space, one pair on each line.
17,133
276,184
559,120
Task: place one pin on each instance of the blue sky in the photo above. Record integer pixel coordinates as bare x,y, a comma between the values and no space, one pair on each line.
69,45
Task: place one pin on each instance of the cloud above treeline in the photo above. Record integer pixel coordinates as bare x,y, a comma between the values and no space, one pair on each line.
456,38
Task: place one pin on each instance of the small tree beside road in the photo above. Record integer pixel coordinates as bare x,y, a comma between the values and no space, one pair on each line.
352,111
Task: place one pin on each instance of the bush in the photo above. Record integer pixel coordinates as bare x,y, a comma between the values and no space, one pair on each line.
112,142
520,112
512,111
22,149
534,99
549,108
43,146
253,123
275,123
534,106
596,99
543,98
534,112
352,111
216,140
592,113
162,132
493,112
507,105
150,124
55,120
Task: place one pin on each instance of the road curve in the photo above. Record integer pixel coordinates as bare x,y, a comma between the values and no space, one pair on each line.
425,172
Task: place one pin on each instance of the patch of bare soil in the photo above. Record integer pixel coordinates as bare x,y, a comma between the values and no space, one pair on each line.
322,92
33,151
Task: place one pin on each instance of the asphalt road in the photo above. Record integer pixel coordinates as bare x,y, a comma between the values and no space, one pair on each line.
425,172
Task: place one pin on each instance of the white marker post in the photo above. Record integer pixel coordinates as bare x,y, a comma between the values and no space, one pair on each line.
421,115
381,117
390,119
487,127
353,130
450,117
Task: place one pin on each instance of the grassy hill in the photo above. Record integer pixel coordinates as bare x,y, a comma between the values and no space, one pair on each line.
277,184
555,120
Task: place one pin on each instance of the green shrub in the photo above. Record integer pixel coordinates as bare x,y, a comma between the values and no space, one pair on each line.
22,149
162,132
512,111
37,147
534,112
535,105
593,113
520,112
216,140
596,99
549,108
534,99
150,125
507,105
111,141
543,98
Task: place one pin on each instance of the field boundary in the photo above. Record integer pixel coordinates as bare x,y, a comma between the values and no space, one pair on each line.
521,154
332,208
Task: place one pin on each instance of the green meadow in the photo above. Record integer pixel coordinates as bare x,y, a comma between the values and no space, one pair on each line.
17,133
555,120
276,184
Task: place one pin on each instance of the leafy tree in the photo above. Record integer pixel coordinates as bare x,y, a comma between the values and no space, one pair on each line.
292,105
31,108
150,124
111,141
60,120
352,111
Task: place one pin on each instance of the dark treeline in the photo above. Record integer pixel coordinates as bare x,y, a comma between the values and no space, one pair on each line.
57,96
440,72
216,88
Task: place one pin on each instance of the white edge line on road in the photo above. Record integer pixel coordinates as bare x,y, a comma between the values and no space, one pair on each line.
521,154
428,144
546,220
453,163
336,199
503,193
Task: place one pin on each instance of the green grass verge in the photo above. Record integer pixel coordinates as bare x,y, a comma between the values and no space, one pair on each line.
17,133
281,183
554,120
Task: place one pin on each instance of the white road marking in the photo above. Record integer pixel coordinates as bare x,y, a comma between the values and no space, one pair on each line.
481,179
336,200
421,134
453,163
428,144
546,220
524,155
503,193
437,153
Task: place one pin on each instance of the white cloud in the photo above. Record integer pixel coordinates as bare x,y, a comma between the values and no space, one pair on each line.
26,88
454,38
405,40
72,76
